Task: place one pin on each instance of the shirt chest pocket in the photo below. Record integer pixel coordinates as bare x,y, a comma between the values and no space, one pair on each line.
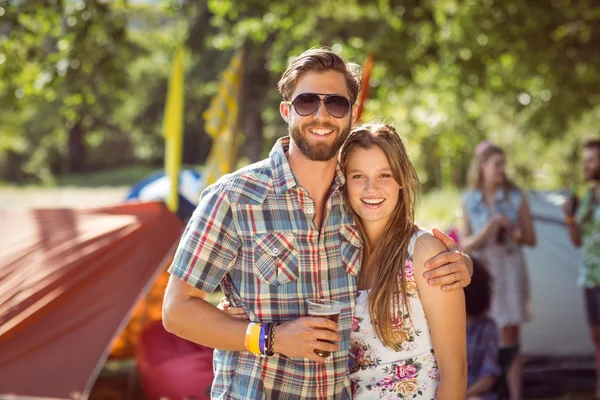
275,257
351,249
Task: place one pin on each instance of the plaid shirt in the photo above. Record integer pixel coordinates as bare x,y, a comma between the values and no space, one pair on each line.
253,234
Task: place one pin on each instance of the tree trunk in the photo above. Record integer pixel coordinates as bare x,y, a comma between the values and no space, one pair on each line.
77,150
255,86
429,147
460,170
200,26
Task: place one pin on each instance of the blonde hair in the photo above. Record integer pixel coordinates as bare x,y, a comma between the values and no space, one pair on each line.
391,250
475,175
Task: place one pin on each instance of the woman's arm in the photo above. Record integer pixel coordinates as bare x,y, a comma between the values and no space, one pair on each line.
528,237
445,312
481,386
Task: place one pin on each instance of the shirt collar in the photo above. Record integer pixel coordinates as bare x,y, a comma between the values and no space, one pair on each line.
283,177
478,195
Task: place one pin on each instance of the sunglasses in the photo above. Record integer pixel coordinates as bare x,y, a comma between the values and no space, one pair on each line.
307,104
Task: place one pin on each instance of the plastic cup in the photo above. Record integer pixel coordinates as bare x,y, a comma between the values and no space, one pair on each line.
321,308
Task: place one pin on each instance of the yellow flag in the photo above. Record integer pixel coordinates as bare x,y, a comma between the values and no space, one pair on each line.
221,118
173,129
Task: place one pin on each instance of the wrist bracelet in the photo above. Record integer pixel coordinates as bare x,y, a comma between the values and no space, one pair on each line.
270,352
247,336
268,339
262,339
252,339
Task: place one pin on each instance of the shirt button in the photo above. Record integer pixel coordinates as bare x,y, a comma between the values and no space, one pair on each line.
275,250
310,211
323,282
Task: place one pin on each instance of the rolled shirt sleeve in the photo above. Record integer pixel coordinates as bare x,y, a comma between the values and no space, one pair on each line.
210,244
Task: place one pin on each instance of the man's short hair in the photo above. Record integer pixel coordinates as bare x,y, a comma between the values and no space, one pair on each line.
592,144
319,60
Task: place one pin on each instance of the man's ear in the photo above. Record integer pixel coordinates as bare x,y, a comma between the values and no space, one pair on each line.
354,110
284,110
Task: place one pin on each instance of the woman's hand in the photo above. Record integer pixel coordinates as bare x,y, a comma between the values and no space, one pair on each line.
498,222
235,312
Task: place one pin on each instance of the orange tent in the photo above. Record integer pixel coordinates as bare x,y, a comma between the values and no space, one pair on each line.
69,280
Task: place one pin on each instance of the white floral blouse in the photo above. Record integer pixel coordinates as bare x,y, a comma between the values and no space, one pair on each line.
409,371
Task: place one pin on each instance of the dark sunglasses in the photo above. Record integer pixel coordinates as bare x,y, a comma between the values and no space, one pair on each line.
307,104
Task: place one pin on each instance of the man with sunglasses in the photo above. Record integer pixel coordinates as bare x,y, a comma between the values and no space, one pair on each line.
274,234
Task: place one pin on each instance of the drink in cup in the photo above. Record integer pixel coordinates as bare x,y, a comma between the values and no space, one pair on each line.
329,309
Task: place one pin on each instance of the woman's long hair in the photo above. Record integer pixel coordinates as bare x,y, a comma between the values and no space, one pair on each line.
475,177
391,250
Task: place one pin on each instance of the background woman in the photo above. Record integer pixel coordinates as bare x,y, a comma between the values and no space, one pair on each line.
496,222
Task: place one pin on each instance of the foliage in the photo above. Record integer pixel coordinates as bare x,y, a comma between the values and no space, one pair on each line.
83,83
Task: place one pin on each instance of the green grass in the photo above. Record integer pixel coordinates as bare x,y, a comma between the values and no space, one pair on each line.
123,176
439,209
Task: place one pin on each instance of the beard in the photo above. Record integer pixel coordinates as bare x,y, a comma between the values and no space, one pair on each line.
322,151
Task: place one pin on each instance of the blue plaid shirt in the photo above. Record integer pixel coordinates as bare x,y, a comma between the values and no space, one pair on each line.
253,234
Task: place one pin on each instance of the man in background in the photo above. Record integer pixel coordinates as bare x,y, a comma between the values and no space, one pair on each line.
583,223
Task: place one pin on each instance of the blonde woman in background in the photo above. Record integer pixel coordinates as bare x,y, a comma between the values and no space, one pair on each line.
496,223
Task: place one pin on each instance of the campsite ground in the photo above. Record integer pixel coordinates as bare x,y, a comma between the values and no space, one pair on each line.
437,209
118,379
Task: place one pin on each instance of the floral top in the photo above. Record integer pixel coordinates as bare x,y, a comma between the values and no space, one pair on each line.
588,215
409,371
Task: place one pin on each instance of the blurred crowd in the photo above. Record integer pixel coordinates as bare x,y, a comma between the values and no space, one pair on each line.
496,223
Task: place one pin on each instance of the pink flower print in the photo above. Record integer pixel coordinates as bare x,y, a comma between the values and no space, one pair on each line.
406,371
353,387
355,323
359,353
433,374
409,270
387,383
397,323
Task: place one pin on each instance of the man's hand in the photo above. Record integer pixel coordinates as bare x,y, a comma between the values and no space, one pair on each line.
300,337
452,269
568,206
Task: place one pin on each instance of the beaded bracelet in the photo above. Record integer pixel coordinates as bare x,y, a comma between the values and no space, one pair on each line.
270,352
268,338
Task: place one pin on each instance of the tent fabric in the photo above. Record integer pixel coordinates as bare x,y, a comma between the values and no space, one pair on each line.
147,311
171,367
69,279
558,327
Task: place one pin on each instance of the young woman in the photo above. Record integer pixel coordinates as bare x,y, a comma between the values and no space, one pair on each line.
496,222
408,338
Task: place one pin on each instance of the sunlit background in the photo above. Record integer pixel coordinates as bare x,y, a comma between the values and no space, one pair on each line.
83,87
